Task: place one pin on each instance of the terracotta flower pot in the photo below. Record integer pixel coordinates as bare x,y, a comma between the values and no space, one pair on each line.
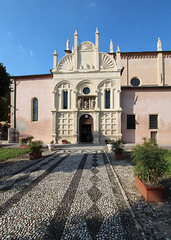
64,142
24,146
35,155
151,194
118,156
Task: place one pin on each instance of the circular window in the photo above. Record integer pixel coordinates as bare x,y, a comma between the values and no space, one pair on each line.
86,90
135,82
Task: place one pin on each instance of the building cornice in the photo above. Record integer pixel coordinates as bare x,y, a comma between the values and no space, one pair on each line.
141,55
33,77
146,88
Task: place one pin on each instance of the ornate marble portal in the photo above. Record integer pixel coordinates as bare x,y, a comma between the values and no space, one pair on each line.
86,75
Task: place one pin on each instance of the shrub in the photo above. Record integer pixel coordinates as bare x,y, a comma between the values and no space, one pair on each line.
26,140
150,162
36,146
118,146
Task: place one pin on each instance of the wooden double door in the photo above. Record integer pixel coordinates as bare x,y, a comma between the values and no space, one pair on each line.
86,128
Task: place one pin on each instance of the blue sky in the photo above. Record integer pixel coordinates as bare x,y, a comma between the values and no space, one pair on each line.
32,29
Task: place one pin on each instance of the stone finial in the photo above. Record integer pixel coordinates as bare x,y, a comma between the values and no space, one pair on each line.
75,39
76,33
118,49
111,46
67,44
97,31
55,60
97,38
55,53
159,45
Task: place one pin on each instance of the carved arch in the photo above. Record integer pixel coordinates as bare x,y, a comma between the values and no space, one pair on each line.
58,85
108,82
86,46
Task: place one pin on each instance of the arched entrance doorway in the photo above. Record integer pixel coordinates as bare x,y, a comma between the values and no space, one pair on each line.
86,128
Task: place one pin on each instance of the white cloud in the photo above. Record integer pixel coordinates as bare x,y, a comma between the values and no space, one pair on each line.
22,50
31,53
91,5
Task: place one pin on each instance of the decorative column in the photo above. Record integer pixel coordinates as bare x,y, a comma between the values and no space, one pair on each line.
69,98
75,66
54,134
112,98
118,58
54,113
160,64
75,100
96,128
119,134
75,129
97,100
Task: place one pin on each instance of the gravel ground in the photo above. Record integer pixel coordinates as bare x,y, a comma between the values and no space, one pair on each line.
74,194
155,218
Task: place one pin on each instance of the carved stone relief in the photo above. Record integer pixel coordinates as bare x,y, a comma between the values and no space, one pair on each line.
86,103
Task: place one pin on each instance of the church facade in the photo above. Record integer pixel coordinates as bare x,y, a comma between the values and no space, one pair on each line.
91,96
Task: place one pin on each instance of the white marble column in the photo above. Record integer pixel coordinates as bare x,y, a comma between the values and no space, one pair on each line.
54,134
75,127
96,128
74,100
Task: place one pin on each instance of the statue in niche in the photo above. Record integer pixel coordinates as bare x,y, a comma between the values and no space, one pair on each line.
93,103
86,104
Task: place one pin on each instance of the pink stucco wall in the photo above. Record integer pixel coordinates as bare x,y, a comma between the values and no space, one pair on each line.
167,70
142,103
26,90
143,68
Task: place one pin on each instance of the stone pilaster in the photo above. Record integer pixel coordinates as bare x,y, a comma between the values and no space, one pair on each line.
96,128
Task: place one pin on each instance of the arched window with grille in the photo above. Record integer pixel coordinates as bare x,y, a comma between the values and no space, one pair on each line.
35,110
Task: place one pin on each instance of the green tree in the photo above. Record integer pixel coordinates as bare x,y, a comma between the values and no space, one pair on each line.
4,93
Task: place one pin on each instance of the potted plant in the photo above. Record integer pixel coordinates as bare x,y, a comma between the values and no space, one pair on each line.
64,141
150,166
118,149
51,145
35,149
24,142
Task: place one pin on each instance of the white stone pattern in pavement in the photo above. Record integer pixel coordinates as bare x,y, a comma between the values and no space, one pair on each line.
73,195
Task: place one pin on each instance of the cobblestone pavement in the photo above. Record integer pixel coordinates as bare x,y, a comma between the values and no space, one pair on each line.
71,194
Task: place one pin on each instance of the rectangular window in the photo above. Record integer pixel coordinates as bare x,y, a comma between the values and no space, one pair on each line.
153,121
107,99
65,99
131,121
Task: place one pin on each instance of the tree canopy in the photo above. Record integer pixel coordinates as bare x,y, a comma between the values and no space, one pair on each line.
4,93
